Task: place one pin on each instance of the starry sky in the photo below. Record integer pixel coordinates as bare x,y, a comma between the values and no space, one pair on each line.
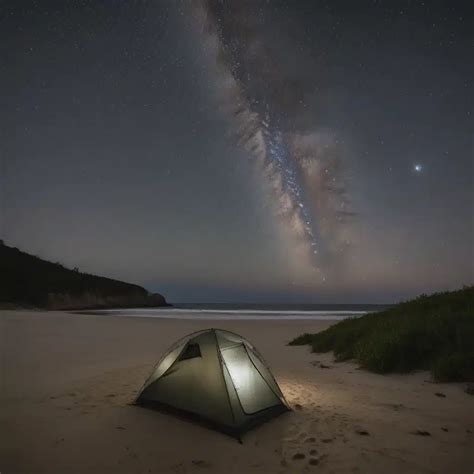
242,151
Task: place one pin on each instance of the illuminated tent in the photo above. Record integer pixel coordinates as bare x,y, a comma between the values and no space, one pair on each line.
215,377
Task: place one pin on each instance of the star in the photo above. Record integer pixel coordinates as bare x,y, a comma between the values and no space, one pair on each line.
418,168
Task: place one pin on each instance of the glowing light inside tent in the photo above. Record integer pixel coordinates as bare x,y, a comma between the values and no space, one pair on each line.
253,392
240,373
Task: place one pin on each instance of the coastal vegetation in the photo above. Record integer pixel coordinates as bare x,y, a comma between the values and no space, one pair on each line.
433,332
29,281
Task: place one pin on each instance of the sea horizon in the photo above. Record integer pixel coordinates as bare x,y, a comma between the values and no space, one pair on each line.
284,306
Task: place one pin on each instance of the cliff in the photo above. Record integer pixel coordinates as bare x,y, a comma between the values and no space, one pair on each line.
29,281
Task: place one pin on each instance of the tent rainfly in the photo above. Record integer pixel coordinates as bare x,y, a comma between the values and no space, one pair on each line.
215,377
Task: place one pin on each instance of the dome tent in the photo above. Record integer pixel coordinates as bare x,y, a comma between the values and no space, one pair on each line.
215,377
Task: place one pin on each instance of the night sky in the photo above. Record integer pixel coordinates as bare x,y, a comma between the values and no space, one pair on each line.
238,151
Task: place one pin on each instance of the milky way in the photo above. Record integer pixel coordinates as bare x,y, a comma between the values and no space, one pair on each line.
266,100
185,145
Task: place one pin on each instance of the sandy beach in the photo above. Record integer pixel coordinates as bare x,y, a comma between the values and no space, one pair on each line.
67,381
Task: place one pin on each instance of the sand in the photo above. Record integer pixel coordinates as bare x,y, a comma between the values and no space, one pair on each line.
67,381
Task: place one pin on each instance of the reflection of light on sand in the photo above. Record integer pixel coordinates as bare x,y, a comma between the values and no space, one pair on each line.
300,392
315,415
300,428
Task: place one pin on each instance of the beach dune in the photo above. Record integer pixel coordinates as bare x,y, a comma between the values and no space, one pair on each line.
68,381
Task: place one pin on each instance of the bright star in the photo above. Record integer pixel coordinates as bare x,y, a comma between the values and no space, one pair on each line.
418,168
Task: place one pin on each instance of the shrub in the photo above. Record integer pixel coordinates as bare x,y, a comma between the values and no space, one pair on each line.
431,332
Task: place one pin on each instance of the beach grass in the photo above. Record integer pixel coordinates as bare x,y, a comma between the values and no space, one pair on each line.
433,332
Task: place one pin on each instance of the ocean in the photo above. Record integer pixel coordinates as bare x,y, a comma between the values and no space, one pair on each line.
214,311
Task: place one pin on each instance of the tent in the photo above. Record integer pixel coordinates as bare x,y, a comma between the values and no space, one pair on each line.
215,377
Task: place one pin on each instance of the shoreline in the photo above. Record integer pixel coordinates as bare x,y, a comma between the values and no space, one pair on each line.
225,315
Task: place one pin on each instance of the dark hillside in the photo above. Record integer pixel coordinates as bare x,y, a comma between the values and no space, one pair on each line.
29,281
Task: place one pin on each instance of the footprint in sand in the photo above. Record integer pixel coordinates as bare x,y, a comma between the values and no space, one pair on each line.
298,456
313,459
421,433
